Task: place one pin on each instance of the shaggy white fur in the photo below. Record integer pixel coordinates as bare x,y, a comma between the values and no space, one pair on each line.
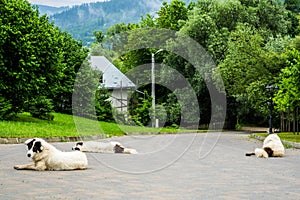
272,147
103,147
47,157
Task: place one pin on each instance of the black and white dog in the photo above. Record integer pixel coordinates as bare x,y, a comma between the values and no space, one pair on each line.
272,147
47,157
102,147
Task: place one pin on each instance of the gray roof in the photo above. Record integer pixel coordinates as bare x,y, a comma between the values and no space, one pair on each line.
113,78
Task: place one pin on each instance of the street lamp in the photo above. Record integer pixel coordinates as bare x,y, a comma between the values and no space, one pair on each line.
271,89
153,85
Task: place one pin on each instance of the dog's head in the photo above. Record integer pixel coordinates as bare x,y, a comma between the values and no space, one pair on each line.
78,146
261,153
34,146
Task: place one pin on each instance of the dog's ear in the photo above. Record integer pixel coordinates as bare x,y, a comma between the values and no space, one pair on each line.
38,147
79,143
269,151
118,149
29,143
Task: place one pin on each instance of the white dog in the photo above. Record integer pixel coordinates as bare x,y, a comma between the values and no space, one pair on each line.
47,157
102,147
272,147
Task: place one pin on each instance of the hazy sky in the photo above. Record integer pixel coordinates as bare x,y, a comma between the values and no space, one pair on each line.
58,3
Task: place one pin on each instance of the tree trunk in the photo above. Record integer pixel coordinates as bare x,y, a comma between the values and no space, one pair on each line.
289,120
294,121
297,119
281,121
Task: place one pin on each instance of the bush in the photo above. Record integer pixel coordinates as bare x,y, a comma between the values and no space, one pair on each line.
103,105
41,108
6,111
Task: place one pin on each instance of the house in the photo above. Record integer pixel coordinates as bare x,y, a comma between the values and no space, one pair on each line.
115,81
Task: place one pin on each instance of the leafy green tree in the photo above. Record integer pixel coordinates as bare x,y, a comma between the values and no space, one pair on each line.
73,55
140,114
103,105
99,35
41,107
6,109
242,36
37,59
287,99
170,15
247,69
85,98
293,5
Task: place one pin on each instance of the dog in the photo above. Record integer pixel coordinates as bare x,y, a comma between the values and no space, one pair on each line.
47,157
272,147
102,147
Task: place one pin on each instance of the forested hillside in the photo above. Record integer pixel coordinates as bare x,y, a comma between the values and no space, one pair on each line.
50,10
81,21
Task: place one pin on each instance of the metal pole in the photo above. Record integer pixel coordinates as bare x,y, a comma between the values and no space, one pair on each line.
153,88
271,108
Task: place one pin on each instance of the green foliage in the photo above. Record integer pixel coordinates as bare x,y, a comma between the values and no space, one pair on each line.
5,111
103,105
288,96
173,110
84,94
99,35
41,108
140,114
37,60
293,5
170,15
245,38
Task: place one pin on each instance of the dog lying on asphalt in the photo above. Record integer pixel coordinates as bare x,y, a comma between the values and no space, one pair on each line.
102,147
272,147
47,157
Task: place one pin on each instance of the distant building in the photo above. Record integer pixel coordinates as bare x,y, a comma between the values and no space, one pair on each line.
115,81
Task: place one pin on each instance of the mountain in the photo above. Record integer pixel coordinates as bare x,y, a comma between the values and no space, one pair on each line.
50,10
82,20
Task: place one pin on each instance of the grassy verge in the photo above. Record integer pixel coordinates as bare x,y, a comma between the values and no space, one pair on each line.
291,137
63,125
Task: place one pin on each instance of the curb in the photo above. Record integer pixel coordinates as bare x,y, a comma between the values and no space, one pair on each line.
54,139
294,145
75,138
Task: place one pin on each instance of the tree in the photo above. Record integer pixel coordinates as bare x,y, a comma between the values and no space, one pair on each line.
247,69
99,35
38,61
287,98
293,5
171,15
103,105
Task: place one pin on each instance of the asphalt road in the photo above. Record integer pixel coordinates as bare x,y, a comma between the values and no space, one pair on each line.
183,166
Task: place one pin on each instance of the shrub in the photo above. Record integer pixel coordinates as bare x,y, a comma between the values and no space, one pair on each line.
41,108
6,111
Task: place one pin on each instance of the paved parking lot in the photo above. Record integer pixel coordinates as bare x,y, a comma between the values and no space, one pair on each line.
183,166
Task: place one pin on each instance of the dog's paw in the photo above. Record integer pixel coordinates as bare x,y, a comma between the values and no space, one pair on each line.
17,167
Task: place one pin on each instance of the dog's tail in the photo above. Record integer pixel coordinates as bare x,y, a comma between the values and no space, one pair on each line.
250,154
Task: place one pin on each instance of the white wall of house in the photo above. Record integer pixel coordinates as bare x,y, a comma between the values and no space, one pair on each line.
115,81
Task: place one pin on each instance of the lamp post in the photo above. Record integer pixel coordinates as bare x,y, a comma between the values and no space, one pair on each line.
153,85
271,89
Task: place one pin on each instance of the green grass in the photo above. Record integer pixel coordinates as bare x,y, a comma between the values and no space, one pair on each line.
25,126
284,136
